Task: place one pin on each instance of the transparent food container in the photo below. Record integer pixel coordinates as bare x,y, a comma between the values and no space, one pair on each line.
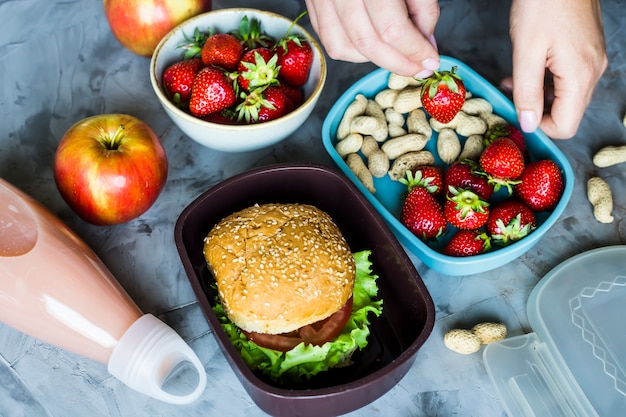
574,363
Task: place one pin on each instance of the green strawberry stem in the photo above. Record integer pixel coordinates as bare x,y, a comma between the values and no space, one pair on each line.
250,34
446,77
193,45
293,24
467,201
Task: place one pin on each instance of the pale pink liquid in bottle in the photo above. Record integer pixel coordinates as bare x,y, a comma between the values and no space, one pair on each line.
54,287
47,288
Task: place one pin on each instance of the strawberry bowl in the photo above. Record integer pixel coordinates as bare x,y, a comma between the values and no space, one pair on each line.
387,194
236,137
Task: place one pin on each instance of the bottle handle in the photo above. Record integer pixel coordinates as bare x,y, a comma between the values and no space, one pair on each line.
147,354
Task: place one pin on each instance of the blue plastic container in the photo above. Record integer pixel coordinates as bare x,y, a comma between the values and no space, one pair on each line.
387,198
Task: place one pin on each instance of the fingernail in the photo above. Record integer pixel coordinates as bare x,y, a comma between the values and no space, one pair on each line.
433,41
431,64
528,121
506,85
423,74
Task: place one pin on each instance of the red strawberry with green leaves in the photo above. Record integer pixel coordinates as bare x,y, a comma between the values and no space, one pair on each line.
443,95
280,104
509,221
295,59
467,243
463,174
464,209
212,92
511,132
257,68
295,56
263,105
502,162
222,50
541,185
426,176
178,80
422,214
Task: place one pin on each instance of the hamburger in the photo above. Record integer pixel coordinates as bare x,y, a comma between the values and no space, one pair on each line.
292,296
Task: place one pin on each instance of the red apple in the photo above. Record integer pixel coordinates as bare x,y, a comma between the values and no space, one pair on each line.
110,168
139,25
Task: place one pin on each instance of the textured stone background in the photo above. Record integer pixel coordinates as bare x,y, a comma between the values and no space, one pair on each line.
59,63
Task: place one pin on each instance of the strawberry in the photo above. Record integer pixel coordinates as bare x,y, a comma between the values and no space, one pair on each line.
212,92
465,210
443,95
263,105
510,132
541,185
222,50
462,174
279,104
502,162
510,221
427,176
257,68
295,58
467,243
295,94
422,214
178,80
224,117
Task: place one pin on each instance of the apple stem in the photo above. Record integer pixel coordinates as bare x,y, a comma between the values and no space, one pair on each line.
113,142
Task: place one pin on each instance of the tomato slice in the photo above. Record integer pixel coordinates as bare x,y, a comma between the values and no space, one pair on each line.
315,334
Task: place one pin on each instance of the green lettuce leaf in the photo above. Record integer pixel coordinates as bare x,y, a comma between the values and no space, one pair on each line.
304,361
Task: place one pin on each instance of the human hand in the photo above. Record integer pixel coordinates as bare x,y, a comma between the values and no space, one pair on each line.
567,40
397,35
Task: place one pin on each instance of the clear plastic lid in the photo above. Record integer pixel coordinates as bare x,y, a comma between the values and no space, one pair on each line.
153,359
574,364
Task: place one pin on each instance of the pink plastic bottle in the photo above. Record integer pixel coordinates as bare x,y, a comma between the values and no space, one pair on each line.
54,287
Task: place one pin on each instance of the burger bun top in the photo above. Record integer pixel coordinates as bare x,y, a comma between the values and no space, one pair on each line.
279,267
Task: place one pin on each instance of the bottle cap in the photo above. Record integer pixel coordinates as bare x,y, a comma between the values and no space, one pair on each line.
149,353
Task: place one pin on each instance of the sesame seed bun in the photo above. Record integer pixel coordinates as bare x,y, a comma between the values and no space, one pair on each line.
279,267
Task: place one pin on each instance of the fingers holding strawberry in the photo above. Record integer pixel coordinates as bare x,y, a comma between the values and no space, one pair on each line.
443,95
